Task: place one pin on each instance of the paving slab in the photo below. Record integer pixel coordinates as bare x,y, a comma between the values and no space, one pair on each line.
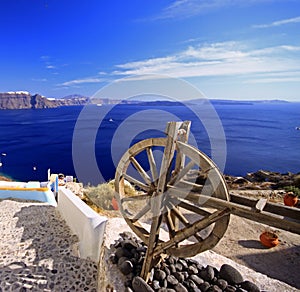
38,252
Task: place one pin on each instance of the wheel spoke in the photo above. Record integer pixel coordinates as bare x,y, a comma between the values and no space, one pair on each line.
136,182
135,198
182,173
141,213
179,215
152,164
170,224
193,208
191,230
141,170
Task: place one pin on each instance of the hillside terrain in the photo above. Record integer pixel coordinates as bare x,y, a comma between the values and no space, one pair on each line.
24,100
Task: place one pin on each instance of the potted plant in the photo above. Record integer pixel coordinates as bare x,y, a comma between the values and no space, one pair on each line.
269,239
291,196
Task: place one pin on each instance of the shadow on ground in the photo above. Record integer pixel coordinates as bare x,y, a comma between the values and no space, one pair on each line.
40,253
274,261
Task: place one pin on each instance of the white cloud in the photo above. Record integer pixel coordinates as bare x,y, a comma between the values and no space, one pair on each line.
275,77
279,22
189,8
50,67
39,79
82,81
217,59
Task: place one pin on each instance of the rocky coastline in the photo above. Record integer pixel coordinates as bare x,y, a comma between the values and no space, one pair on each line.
25,100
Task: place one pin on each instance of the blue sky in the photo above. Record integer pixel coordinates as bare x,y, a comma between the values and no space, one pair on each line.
229,49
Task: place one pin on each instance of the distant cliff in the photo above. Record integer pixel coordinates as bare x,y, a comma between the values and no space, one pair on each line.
24,100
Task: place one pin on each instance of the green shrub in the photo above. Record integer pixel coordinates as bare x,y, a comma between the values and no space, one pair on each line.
293,189
101,195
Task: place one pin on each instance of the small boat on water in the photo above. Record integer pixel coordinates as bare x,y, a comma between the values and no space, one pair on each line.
297,128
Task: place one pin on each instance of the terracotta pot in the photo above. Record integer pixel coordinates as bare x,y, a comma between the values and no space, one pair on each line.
114,203
290,199
269,239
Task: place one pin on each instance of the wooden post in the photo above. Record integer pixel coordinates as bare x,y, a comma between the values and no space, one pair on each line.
156,205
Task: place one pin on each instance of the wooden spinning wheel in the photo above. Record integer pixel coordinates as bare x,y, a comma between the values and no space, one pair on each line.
176,200
167,198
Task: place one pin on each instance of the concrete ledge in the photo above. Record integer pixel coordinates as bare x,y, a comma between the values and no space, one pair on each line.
88,225
26,191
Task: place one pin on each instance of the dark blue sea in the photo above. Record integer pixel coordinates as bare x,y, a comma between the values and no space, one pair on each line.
257,136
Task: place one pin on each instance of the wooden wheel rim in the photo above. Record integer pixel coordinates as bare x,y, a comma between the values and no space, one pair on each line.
204,162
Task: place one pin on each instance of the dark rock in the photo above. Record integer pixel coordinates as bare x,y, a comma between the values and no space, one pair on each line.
122,252
196,279
185,274
167,270
130,276
204,286
192,270
172,268
192,262
171,260
172,280
230,274
183,263
121,261
129,244
159,275
179,267
141,248
250,286
297,181
239,289
230,288
126,267
214,288
179,276
139,285
180,288
207,274
190,284
128,283
164,283
240,181
222,283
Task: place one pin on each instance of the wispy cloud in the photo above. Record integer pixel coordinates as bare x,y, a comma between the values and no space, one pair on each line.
279,22
217,59
189,8
51,67
83,81
39,79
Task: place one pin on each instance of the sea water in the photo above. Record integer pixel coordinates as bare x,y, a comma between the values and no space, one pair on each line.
257,136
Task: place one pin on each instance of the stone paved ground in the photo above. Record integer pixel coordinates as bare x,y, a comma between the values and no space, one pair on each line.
38,252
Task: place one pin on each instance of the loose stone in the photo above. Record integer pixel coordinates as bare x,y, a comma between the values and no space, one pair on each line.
207,274
249,286
172,280
139,285
180,288
196,279
230,274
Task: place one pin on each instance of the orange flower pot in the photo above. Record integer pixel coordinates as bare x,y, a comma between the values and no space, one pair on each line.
114,203
290,199
269,239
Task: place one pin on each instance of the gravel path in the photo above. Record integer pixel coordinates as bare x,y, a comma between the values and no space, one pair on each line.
38,252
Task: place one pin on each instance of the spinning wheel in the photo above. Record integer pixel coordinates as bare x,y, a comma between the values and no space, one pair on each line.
172,181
